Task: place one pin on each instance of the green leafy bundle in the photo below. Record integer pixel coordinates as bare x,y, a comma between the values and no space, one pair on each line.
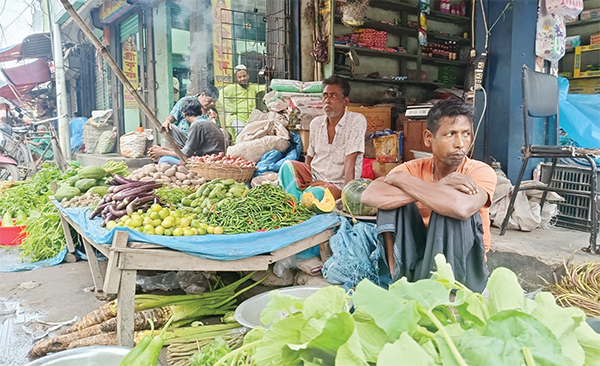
45,236
418,324
210,353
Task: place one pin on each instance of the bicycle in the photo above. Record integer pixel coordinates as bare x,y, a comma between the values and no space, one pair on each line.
17,147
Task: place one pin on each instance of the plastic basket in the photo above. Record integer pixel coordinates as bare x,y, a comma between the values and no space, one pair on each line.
12,235
213,171
574,211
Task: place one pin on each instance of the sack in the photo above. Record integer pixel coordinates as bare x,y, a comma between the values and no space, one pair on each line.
255,149
133,144
274,124
356,254
100,122
107,142
570,8
550,38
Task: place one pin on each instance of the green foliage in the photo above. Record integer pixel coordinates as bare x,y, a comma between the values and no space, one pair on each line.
210,353
418,324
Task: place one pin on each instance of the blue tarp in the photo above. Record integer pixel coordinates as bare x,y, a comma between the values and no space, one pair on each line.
11,262
579,117
219,247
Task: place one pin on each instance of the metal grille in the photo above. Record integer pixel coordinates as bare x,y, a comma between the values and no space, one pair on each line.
260,41
102,84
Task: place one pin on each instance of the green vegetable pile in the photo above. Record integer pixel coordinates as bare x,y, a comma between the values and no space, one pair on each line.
113,168
418,324
263,208
211,194
45,235
173,195
211,353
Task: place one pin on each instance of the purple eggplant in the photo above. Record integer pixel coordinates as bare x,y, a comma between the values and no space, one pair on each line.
127,186
122,180
134,192
117,213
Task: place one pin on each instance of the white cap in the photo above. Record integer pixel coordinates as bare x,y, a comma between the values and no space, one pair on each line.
239,68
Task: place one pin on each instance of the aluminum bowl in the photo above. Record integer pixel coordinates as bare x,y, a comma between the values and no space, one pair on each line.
85,356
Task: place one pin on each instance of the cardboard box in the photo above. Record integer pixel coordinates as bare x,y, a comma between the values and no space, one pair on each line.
382,169
378,117
594,39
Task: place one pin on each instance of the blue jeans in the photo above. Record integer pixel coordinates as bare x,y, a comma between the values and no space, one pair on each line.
171,160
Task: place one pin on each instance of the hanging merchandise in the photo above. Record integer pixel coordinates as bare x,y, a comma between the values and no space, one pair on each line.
550,39
424,8
354,13
570,8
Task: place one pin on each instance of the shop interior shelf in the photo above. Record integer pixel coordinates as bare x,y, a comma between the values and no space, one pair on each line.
581,23
369,51
396,5
441,16
431,84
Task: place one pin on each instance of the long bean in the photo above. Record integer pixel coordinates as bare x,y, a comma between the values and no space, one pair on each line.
263,208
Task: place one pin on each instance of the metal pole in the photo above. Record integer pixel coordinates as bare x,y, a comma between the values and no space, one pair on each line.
62,104
119,74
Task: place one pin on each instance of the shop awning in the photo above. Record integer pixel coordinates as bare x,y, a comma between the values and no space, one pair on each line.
11,53
37,45
23,78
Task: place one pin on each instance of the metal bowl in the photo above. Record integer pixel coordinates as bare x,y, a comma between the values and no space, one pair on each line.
248,312
85,356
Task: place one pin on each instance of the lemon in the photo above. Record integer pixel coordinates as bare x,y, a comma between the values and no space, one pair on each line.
156,207
167,223
188,232
148,227
178,232
210,229
177,213
218,230
164,213
156,222
124,218
149,231
136,221
127,222
177,221
154,215
159,230
194,230
168,232
184,222
201,231
111,224
195,224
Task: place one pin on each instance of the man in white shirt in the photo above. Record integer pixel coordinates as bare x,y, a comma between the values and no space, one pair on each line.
336,146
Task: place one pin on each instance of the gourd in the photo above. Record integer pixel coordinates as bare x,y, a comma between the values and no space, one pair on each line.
99,190
84,184
66,192
326,205
351,195
92,172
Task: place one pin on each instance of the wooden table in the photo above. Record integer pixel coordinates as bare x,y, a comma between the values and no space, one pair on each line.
126,257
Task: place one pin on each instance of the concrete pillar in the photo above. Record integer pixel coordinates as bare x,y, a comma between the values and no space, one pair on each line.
164,61
511,44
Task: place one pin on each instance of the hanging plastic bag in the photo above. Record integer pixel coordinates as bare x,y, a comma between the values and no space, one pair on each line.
570,8
550,38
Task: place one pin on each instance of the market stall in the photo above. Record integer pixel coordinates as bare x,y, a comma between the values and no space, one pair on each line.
130,247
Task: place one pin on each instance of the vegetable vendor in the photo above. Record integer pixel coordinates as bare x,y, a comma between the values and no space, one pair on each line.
40,143
238,100
438,204
204,136
176,118
335,150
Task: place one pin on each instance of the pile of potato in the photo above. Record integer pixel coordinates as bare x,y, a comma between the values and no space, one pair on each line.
85,200
170,175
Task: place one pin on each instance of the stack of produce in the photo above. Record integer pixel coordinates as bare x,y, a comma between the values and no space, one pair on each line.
171,175
158,220
263,208
420,324
45,235
113,167
88,199
99,327
125,197
213,193
579,287
223,159
87,178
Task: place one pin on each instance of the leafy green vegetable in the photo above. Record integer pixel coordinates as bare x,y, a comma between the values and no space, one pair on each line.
174,195
211,353
418,324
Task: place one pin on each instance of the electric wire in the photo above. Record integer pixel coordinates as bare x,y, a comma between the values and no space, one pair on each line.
479,123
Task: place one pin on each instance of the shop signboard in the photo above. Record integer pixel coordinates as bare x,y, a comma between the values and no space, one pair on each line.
112,10
222,42
130,69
